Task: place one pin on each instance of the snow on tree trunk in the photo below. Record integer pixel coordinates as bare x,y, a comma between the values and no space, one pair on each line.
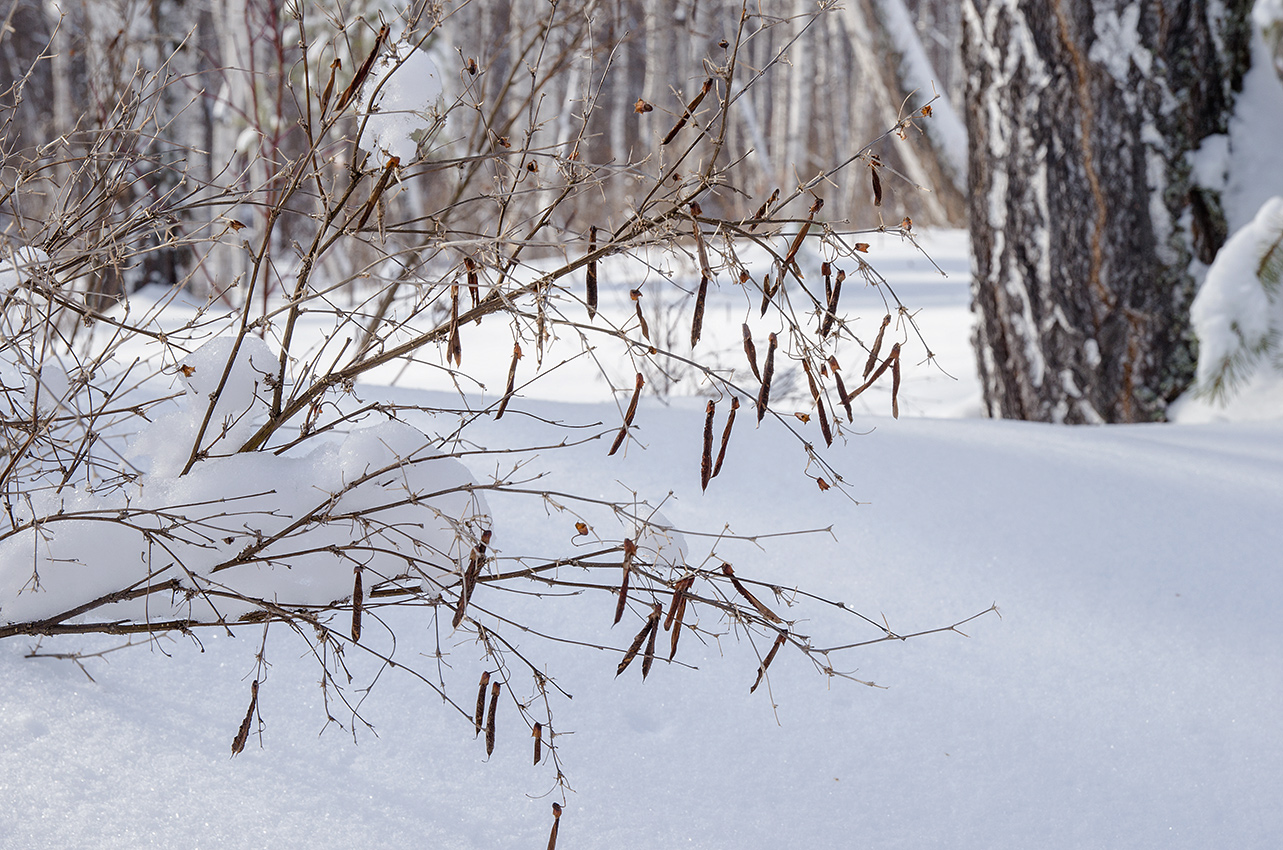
1084,217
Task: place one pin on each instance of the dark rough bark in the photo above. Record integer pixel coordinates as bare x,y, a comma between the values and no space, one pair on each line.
1084,219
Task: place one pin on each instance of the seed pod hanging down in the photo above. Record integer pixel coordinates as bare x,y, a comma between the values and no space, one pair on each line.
357,602
892,358
651,623
750,351
512,380
628,417
648,657
895,384
877,346
677,610
635,295
480,715
537,734
877,185
764,395
697,323
473,287
706,457
842,396
630,552
590,276
830,311
801,235
726,436
556,815
701,251
454,348
242,734
825,431
766,662
494,709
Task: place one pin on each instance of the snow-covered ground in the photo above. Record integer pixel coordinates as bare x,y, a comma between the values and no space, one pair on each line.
1129,695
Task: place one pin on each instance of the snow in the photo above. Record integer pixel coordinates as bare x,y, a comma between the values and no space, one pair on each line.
404,101
1126,697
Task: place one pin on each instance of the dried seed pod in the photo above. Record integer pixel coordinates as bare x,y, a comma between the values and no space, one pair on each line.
454,348
768,291
726,436
373,202
877,373
764,395
801,235
830,312
590,276
679,590
753,600
473,287
701,251
676,612
750,351
329,85
895,381
357,602
877,186
494,709
467,585
480,715
810,379
628,417
842,396
877,346
824,423
649,657
512,381
538,736
651,622
358,79
630,551
706,457
766,662
697,323
635,295
761,211
690,108
556,813
242,734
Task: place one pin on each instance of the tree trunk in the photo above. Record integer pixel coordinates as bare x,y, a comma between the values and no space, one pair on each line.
1084,219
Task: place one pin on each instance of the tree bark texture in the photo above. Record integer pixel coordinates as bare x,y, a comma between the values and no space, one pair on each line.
1084,219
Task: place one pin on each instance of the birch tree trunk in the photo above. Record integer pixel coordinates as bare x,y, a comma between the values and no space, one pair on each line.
1084,219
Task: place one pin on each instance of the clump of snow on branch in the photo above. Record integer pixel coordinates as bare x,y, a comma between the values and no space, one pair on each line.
240,533
404,101
1238,313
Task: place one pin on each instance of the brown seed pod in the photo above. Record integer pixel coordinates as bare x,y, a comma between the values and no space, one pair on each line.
373,202
473,287
753,600
494,709
628,416
512,381
480,715
877,186
590,276
454,348
635,295
242,734
764,395
766,662
810,379
726,436
630,551
895,381
651,622
358,79
690,108
750,351
556,815
538,736
706,457
761,211
801,234
842,396
877,346
676,612
700,249
831,311
697,323
649,657
357,602
824,423
329,85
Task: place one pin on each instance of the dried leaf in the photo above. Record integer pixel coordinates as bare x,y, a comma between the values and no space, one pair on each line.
766,662
581,528
824,485
641,107
804,418
862,247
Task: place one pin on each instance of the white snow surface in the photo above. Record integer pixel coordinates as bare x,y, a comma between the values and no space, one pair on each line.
1127,697
404,100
